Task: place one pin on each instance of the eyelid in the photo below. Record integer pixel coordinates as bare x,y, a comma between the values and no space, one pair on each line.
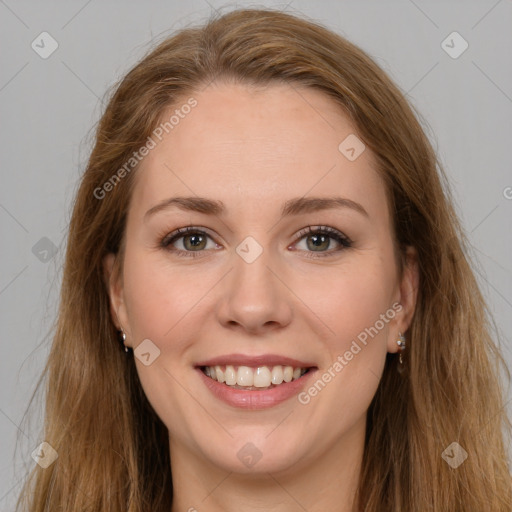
333,233
343,240
170,238
180,232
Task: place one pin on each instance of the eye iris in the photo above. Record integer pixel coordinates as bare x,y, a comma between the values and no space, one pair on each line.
196,241
318,238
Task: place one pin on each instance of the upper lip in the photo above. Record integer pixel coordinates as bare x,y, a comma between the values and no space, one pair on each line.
255,361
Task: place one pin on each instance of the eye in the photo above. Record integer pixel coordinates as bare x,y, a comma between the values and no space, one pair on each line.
193,241
318,238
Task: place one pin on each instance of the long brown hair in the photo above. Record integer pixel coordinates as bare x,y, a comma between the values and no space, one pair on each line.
113,449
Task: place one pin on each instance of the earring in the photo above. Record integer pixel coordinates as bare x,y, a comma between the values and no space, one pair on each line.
123,339
401,343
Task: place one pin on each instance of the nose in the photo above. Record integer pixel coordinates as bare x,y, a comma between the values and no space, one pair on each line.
254,297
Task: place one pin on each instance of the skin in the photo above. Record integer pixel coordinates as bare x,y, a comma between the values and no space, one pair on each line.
254,149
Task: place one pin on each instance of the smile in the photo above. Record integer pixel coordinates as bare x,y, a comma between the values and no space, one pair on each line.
253,378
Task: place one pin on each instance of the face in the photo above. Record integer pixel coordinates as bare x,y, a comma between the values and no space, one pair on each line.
265,278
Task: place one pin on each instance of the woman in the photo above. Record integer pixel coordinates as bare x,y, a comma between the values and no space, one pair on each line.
263,224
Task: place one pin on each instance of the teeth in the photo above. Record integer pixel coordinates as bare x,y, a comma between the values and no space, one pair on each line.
230,375
277,375
245,376
219,374
288,373
260,377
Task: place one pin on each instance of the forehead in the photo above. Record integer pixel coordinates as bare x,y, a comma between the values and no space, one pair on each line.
252,146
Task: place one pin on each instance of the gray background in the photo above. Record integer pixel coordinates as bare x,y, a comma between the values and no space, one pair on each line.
49,106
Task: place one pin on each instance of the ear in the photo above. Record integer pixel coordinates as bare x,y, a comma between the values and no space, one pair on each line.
407,297
114,284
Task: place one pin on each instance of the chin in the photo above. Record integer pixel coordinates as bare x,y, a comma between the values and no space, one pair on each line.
254,455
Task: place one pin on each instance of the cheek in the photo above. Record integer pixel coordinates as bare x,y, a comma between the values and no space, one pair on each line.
159,297
352,299
356,306
160,305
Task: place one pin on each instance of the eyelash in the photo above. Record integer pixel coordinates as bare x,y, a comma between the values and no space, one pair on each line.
334,234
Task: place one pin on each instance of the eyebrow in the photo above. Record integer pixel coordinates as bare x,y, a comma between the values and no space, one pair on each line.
296,206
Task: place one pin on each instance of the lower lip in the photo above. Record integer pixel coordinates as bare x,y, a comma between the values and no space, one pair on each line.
255,399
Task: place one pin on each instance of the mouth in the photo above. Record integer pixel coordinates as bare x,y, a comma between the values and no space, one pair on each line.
257,378
255,382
